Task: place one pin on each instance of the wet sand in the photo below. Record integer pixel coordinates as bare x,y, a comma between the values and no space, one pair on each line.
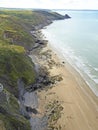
80,105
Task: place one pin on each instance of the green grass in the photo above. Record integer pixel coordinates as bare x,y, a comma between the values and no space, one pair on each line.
15,64
11,122
15,29
15,40
10,118
12,32
15,25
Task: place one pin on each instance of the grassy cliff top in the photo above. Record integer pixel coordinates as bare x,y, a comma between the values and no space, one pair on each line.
15,40
15,25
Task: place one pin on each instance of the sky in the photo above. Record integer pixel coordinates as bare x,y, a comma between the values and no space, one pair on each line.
50,4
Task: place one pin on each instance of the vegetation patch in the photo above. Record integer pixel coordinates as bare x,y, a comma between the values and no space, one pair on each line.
15,64
14,122
54,111
10,117
15,41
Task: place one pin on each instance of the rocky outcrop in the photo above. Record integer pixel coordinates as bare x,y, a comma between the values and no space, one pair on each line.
10,117
15,64
67,16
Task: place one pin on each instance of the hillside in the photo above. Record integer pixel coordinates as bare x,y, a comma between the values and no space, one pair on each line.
15,65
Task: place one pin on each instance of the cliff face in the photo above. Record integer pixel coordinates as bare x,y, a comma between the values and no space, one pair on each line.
10,117
15,41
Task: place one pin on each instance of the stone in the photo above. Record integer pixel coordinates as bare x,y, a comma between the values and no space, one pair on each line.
67,16
1,87
33,110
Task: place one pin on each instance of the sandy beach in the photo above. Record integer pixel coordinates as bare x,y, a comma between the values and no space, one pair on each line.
80,105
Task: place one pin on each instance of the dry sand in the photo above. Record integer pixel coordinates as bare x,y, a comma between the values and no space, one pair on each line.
79,102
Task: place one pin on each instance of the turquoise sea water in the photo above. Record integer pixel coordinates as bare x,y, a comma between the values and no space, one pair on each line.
76,39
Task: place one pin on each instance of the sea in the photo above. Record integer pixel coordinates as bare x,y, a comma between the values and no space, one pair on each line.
76,40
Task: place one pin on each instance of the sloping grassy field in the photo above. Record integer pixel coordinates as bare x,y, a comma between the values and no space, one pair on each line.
15,40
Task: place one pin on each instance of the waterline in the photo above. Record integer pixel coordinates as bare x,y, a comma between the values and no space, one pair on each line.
81,53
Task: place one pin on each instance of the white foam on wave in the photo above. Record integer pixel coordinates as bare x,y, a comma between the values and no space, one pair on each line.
84,70
96,69
80,65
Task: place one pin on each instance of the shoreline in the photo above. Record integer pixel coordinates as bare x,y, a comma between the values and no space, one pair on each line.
74,69
80,105
84,75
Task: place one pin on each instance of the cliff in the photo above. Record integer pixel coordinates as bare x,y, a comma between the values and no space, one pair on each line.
15,65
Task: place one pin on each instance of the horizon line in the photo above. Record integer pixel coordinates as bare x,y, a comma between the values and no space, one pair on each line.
48,8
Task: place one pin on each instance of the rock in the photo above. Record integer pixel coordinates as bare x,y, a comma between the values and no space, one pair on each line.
10,113
2,98
1,87
33,110
67,16
39,123
31,99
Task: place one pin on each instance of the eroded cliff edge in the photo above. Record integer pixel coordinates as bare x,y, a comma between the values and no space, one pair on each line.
17,71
